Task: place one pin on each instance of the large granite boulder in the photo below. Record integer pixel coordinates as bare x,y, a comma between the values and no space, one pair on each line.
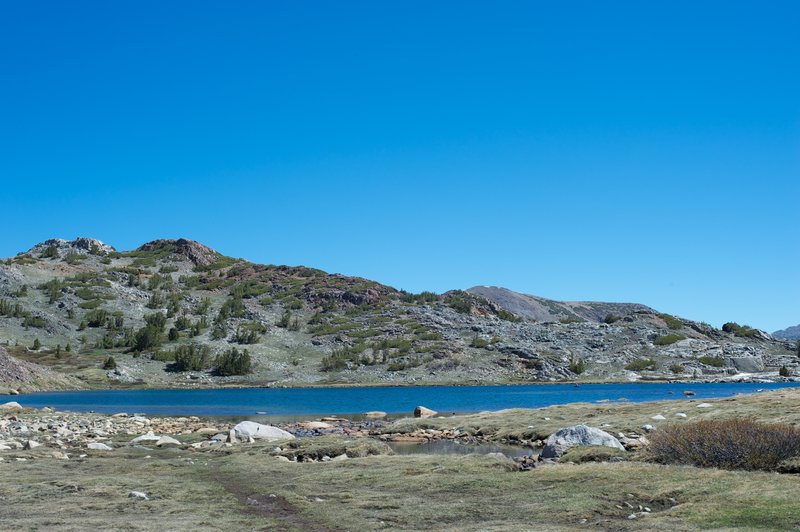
577,435
257,431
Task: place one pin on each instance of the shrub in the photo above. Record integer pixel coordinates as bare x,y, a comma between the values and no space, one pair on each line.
34,321
611,318
676,368
36,344
717,362
192,358
668,339
671,321
743,331
479,342
641,364
110,363
577,366
727,444
233,362
784,372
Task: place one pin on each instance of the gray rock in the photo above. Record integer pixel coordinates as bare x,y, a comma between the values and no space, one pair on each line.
145,437
11,406
423,412
138,495
577,435
257,431
30,444
99,447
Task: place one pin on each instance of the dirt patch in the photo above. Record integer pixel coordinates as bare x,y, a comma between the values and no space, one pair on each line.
268,505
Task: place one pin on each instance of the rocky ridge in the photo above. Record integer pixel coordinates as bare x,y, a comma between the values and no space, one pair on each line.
69,305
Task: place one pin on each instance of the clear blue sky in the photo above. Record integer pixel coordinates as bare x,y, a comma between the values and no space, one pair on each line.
625,151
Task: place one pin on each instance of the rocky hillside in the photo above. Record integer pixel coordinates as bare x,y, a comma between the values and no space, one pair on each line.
20,376
789,333
176,312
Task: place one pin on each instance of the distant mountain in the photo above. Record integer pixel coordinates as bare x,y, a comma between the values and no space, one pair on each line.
165,311
789,333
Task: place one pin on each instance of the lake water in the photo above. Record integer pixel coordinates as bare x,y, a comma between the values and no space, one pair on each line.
291,402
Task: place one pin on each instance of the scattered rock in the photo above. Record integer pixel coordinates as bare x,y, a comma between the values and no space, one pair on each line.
30,444
680,414
704,405
99,447
658,417
138,495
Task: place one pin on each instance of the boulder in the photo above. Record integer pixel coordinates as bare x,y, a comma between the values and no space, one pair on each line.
11,406
423,412
31,444
577,435
257,431
138,495
375,414
145,437
167,441
316,425
99,447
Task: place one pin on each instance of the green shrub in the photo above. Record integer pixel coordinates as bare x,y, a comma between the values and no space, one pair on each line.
784,372
726,444
479,342
34,321
641,364
233,362
676,368
743,331
671,321
611,318
577,366
192,358
716,362
110,363
36,344
668,339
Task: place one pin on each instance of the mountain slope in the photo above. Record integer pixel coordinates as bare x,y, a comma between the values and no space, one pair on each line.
789,333
83,301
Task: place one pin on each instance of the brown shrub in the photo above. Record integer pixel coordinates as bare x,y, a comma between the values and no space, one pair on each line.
727,444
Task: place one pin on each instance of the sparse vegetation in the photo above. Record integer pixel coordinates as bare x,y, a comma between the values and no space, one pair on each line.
715,361
726,444
668,339
641,364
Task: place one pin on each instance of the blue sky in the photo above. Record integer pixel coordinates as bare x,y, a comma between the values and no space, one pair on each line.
625,151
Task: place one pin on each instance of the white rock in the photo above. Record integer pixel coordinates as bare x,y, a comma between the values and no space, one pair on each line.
257,431
138,495
648,428
99,447
704,405
577,435
658,417
145,437
30,444
10,406
167,441
680,414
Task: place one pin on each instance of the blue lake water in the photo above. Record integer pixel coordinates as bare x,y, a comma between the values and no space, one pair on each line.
290,402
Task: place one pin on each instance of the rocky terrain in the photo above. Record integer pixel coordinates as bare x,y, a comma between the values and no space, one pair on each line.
789,333
176,313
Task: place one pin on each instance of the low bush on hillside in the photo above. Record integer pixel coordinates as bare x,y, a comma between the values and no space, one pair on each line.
716,362
233,362
726,444
743,331
577,366
641,364
671,321
668,339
